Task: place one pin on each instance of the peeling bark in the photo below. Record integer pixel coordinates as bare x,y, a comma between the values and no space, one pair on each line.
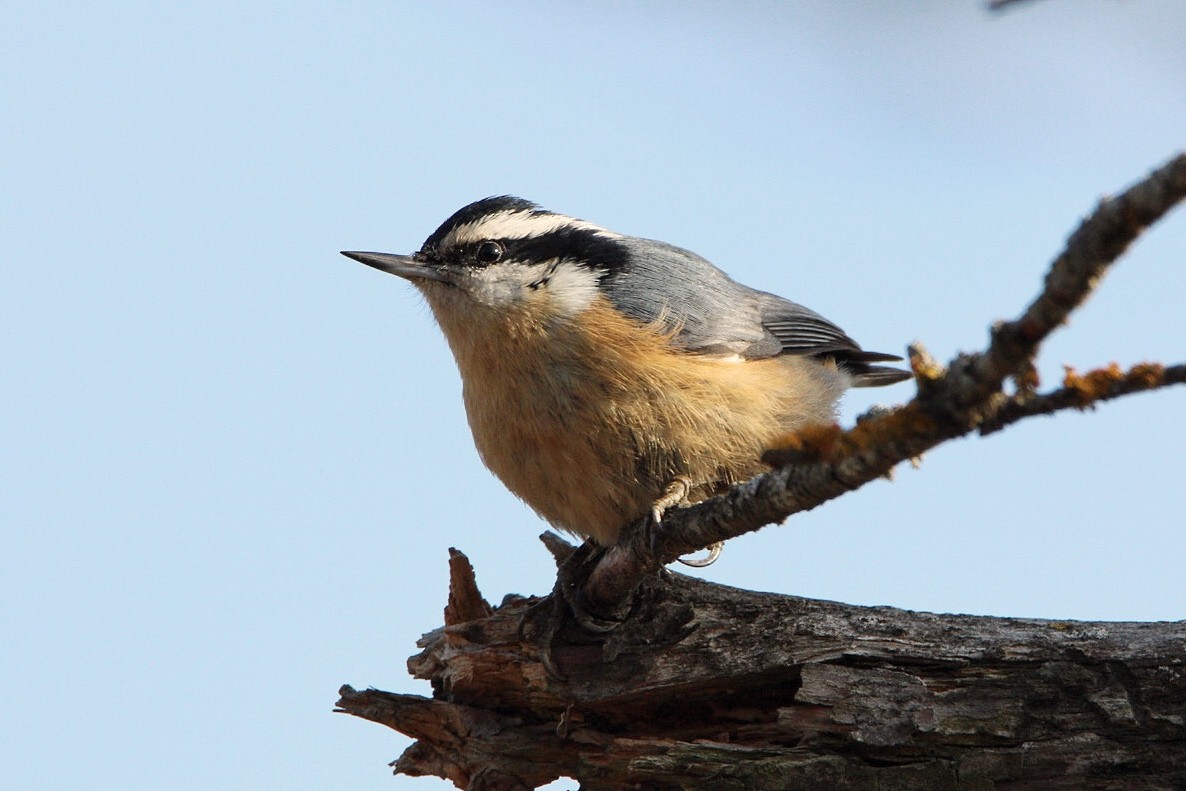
706,686
702,686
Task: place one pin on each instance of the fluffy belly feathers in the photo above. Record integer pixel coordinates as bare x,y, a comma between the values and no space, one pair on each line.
588,421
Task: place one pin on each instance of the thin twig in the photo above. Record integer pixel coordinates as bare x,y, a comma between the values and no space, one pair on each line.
822,464
1084,391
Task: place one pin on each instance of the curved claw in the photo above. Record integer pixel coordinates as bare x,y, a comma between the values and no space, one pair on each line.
677,491
714,552
673,494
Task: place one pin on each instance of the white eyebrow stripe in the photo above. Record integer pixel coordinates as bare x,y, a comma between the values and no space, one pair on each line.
514,224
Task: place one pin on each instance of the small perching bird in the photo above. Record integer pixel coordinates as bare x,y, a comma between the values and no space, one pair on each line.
607,377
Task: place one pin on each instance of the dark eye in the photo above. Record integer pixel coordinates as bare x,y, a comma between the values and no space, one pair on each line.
490,252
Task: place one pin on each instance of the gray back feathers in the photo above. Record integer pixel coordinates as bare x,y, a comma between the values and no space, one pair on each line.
652,281
714,314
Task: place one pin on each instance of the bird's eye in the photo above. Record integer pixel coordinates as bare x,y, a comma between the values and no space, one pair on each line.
490,252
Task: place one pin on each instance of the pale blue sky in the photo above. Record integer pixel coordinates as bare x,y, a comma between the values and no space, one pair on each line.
233,460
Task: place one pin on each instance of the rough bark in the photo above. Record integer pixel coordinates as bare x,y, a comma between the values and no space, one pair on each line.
702,686
706,686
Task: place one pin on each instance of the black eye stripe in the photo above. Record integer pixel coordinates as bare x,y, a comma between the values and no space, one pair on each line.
590,247
573,244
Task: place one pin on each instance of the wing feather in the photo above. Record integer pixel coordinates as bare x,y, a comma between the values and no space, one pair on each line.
711,313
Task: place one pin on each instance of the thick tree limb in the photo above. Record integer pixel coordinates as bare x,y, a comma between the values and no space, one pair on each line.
703,686
712,687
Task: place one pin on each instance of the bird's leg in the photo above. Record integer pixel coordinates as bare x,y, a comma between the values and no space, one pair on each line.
676,492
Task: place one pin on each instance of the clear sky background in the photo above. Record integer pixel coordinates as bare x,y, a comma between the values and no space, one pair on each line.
233,460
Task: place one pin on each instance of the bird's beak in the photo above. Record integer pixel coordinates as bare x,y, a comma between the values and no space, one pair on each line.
403,265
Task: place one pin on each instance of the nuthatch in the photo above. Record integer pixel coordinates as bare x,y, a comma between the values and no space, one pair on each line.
607,377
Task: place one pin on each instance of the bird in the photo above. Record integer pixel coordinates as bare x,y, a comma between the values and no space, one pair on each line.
608,377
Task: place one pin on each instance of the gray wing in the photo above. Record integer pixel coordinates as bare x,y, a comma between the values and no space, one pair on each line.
713,314
803,331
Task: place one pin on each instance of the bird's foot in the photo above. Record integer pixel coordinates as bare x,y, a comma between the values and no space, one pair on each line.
675,493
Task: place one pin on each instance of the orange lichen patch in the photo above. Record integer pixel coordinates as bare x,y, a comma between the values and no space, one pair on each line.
926,368
1147,374
906,421
816,442
1110,380
830,443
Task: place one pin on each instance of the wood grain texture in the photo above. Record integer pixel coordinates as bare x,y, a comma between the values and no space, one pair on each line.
707,686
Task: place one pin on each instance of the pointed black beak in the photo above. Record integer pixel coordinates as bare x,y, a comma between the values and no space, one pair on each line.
404,266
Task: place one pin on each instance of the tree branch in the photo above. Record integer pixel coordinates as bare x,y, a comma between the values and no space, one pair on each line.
824,462
705,686
713,687
1085,391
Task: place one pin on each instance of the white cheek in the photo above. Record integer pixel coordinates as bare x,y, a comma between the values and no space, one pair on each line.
571,289
500,286
564,290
